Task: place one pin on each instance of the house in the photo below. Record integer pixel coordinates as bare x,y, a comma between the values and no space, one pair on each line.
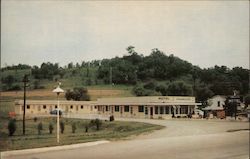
215,108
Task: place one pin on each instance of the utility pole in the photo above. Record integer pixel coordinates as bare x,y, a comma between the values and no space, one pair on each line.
249,79
110,78
25,81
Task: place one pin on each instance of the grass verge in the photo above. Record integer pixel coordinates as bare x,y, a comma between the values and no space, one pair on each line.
115,130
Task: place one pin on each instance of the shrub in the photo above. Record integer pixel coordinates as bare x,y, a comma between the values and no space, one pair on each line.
12,127
73,126
35,119
140,91
39,128
62,127
51,128
15,88
111,118
97,123
150,85
86,126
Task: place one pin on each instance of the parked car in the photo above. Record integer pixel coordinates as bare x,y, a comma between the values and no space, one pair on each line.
54,112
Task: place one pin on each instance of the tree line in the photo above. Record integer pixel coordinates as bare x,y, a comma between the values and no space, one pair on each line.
155,74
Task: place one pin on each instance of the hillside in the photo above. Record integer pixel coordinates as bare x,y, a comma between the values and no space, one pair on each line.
131,74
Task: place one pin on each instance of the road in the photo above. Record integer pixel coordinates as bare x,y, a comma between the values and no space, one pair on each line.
180,139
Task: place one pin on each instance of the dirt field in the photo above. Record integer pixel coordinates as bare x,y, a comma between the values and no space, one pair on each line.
94,93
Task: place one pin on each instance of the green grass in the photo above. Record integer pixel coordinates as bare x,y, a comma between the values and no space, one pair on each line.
109,131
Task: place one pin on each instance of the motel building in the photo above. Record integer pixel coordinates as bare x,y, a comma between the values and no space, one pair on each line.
152,107
43,107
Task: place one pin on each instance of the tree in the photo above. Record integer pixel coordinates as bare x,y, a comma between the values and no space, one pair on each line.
62,126
9,80
179,88
70,65
247,100
73,126
97,123
163,89
140,91
40,128
150,85
51,128
202,94
12,127
77,94
230,107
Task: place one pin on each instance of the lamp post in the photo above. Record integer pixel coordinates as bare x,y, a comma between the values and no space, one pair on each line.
234,100
58,90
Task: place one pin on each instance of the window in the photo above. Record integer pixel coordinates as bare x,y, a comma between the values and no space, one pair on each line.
71,107
44,106
81,106
126,108
117,108
161,110
156,110
218,103
141,109
107,108
28,106
55,106
166,110
184,109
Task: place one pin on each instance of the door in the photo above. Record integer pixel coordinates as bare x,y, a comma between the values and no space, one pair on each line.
151,112
146,111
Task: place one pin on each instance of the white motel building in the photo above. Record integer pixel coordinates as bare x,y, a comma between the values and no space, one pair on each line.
128,107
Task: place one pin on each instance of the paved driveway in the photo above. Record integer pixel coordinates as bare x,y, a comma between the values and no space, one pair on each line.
180,139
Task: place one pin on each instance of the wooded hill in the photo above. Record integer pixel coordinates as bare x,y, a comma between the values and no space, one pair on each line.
156,74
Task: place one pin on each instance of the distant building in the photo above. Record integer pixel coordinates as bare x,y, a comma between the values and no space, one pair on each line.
129,107
215,107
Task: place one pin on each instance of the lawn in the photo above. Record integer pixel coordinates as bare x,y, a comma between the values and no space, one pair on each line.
108,131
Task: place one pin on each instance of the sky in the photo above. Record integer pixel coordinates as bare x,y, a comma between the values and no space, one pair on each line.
205,33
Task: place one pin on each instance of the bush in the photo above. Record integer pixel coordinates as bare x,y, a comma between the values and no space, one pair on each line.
163,89
15,88
62,127
150,85
73,126
111,118
12,127
39,128
51,128
35,119
97,123
77,94
140,91
86,126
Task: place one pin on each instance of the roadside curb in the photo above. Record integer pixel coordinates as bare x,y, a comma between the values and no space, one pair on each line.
47,149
